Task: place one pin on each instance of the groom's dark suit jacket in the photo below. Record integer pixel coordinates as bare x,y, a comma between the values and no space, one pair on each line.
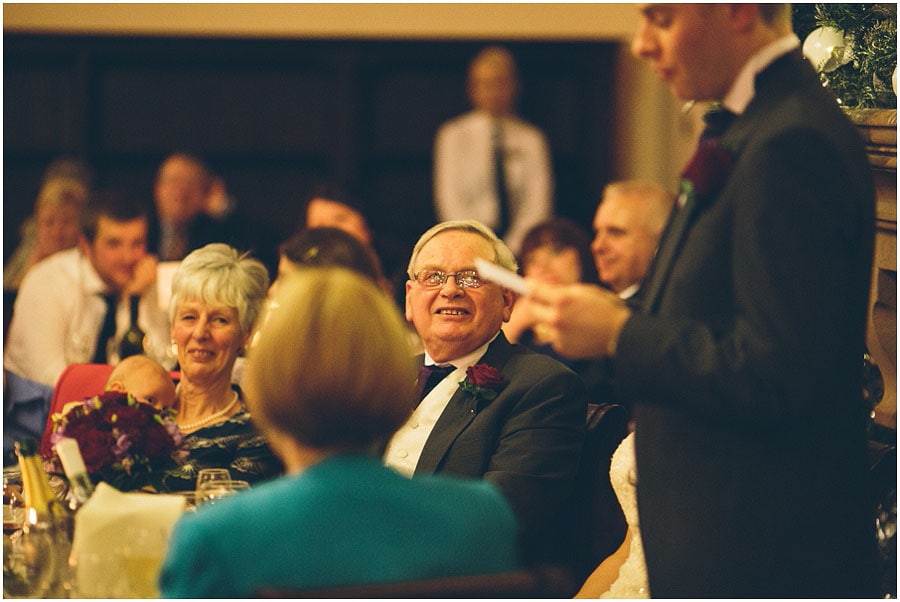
745,370
527,441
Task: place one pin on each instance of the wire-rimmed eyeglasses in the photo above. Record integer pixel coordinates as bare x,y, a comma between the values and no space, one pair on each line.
437,278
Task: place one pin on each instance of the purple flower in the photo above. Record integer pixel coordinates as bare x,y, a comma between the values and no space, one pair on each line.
122,446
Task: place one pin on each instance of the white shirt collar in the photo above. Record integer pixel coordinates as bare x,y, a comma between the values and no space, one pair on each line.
630,292
92,282
470,359
743,88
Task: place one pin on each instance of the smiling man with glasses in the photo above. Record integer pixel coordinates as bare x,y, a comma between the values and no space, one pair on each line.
522,429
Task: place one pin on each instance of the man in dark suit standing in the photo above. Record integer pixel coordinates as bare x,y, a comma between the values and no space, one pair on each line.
498,411
744,360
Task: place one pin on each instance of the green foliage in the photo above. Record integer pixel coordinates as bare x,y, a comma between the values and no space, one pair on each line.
864,82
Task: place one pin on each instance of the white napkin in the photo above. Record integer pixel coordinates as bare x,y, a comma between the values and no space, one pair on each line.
120,542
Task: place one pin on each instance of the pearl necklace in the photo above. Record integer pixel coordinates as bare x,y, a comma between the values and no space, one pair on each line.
211,417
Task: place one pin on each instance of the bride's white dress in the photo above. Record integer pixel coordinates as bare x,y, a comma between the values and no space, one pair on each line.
632,580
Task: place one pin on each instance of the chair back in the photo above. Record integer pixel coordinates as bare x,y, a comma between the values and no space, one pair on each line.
75,383
599,524
540,581
883,491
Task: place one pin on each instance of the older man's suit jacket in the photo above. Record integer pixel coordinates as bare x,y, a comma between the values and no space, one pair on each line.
745,369
527,441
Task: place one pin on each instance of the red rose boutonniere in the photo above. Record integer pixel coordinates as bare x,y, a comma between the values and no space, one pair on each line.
707,172
482,382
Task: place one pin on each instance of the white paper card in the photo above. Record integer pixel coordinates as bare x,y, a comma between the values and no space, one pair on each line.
502,276
164,272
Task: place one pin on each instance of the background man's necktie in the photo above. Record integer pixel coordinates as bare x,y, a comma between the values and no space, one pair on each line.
132,342
174,244
500,179
430,376
108,330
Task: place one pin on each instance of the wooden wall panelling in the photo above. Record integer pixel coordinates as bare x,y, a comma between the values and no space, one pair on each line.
879,129
275,115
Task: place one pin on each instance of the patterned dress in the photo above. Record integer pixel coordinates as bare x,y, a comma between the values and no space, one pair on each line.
234,444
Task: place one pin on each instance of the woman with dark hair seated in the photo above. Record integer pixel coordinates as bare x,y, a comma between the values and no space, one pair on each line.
558,251
328,246
319,247
329,377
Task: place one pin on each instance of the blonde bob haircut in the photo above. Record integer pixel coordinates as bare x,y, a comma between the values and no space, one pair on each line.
503,256
332,367
220,275
60,191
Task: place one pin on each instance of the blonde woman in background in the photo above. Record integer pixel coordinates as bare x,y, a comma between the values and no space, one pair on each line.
56,227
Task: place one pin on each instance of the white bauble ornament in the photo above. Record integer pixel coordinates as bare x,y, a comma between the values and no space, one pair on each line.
894,80
826,49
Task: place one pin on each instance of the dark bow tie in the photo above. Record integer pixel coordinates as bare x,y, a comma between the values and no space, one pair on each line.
430,376
717,120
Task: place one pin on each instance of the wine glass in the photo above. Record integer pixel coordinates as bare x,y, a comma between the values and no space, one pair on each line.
214,491
13,502
33,564
208,475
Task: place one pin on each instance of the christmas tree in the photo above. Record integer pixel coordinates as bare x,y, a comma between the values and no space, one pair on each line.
863,79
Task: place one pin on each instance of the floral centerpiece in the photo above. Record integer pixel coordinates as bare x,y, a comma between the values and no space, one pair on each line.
124,442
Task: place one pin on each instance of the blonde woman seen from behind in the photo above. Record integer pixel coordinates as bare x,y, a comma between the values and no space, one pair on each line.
328,378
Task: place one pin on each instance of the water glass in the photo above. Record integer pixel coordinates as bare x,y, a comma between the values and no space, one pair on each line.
214,491
208,475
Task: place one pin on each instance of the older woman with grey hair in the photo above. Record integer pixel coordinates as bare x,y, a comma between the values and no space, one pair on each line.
217,296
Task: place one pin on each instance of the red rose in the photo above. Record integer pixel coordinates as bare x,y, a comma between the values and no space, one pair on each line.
482,382
157,442
107,411
96,449
130,414
482,375
80,424
110,399
709,168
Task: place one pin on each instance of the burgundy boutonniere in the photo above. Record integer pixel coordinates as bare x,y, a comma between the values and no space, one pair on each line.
482,382
708,170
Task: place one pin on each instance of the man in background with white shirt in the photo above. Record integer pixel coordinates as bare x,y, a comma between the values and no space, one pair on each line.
490,165
60,311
